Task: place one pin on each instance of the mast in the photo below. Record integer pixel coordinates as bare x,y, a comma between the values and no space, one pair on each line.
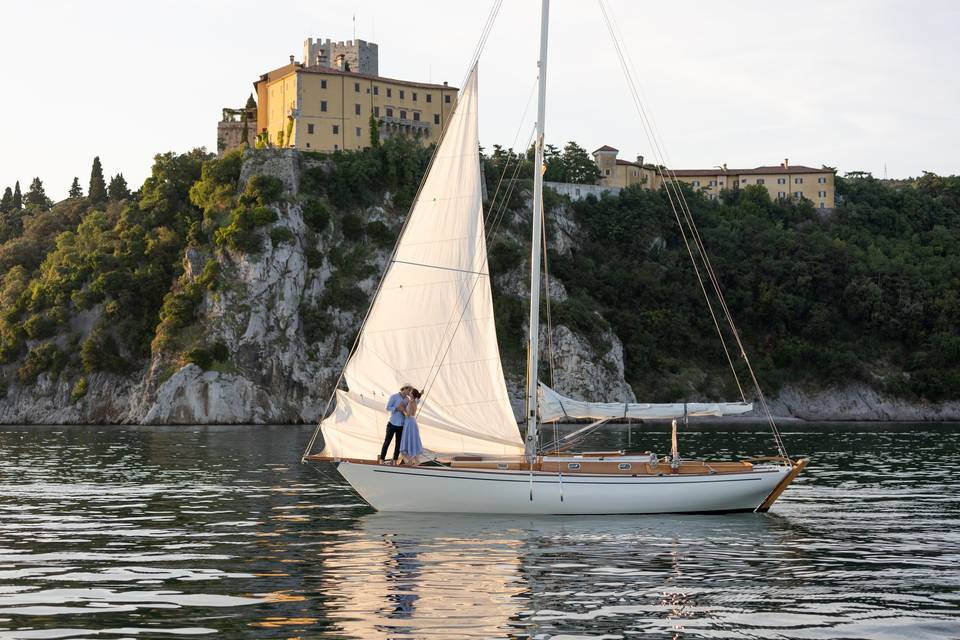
537,216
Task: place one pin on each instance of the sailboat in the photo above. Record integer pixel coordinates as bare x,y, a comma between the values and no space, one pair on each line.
431,322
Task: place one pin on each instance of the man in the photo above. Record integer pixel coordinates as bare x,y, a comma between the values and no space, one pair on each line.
395,422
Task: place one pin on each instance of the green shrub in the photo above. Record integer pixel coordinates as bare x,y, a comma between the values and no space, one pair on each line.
206,358
240,234
380,234
100,352
315,215
262,190
504,256
40,326
279,235
211,272
314,257
352,227
79,389
46,357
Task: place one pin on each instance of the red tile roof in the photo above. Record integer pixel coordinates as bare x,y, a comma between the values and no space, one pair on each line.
606,147
758,171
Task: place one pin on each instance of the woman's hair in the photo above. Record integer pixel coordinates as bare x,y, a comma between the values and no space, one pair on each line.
415,393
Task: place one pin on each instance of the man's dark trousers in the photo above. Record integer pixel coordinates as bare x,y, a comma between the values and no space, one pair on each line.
392,430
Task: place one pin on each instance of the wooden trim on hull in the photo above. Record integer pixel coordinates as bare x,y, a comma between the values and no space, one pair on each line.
798,466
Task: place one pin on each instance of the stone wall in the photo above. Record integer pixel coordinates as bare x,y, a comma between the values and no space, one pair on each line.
580,191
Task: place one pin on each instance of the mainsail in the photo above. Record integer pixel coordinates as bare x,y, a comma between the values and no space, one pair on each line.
554,406
431,323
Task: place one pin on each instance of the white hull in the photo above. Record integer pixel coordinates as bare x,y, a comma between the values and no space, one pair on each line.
437,489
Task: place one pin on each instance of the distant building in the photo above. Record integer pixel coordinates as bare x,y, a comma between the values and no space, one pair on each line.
783,181
325,103
230,129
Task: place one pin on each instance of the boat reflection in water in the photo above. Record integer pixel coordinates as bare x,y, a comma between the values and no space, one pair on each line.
477,576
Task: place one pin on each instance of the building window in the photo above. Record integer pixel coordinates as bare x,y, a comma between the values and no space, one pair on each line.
695,183
721,183
310,128
389,112
336,147
414,95
323,84
401,94
798,181
743,181
308,146
356,87
446,98
821,181
389,92
416,116
781,181
356,109
359,132
376,90
403,115
797,195
429,97
713,183
606,172
376,112
822,204
822,194
781,195
323,105
759,180
436,118
336,129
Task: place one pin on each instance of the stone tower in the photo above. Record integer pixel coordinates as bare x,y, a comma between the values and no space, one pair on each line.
360,55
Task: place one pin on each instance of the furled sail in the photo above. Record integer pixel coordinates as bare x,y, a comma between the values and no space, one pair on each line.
431,323
554,406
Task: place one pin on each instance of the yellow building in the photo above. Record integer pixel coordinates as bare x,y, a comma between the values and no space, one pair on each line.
318,108
783,181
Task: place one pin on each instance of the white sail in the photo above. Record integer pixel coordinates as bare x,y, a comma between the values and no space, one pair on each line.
432,324
554,406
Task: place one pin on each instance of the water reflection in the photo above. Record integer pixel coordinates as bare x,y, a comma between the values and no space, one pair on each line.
139,532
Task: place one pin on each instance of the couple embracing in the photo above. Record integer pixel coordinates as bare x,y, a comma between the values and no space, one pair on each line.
403,425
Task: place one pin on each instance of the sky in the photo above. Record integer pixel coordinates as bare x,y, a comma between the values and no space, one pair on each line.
865,85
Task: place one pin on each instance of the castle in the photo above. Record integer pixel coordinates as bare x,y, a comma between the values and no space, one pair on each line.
335,100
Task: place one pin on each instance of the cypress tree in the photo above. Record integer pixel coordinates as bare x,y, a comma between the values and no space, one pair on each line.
75,190
251,103
117,190
6,203
245,134
98,186
36,196
17,197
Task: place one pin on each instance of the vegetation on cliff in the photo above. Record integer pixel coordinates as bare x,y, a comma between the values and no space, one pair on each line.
868,292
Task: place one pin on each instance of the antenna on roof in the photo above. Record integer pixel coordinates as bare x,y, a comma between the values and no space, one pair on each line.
884,170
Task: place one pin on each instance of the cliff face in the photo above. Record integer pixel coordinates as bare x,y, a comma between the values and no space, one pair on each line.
286,342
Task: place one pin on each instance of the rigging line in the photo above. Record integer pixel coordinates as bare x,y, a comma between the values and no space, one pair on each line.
673,205
491,18
670,179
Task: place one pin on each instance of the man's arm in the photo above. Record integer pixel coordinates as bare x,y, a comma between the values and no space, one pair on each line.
392,403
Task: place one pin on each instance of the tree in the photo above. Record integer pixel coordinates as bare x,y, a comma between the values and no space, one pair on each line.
251,103
36,196
118,190
17,197
98,186
6,203
580,167
75,190
374,132
245,135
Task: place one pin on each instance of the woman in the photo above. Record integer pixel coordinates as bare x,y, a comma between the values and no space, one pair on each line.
410,445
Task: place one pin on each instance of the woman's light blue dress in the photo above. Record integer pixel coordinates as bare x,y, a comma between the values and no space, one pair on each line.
410,445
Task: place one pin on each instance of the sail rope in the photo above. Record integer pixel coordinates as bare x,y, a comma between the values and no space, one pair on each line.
478,50
678,205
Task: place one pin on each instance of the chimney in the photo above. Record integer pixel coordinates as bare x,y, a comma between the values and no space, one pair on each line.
724,167
786,163
291,58
640,160
445,83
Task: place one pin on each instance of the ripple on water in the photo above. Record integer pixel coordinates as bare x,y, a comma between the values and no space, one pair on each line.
149,532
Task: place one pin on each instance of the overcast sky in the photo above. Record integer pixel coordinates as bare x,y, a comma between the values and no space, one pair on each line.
856,84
